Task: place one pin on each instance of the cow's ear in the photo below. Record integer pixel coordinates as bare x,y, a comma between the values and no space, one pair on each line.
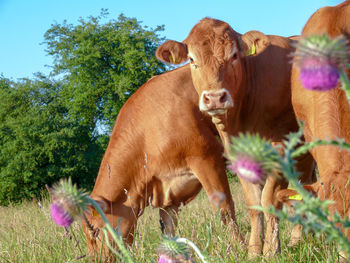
287,196
312,188
103,204
254,42
172,52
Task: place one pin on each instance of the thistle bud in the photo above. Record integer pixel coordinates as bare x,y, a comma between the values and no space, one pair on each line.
217,198
172,251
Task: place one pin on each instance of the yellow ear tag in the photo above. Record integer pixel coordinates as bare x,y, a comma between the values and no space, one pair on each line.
94,212
171,59
296,197
251,51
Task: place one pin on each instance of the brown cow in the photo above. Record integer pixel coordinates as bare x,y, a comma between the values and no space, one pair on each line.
161,152
326,115
244,94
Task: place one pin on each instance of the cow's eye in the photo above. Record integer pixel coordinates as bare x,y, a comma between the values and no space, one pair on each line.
192,63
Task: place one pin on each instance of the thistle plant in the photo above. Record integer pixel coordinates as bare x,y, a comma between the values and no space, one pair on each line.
172,251
69,202
217,198
322,61
176,250
312,213
251,158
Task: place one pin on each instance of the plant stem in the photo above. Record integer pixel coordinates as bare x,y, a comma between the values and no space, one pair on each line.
346,84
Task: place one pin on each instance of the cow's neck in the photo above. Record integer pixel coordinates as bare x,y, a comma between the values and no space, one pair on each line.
260,108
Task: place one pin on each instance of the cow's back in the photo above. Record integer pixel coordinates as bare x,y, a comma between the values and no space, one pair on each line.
156,130
332,20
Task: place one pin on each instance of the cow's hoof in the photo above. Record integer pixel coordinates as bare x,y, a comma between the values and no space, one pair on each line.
254,251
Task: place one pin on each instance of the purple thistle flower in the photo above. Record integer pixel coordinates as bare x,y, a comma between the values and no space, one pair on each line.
248,169
217,198
316,75
320,58
165,259
60,216
68,202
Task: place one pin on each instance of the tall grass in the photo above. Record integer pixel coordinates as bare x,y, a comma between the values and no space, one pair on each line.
28,234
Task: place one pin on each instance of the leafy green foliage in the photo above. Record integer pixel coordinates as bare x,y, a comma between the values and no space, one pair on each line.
102,65
39,143
57,126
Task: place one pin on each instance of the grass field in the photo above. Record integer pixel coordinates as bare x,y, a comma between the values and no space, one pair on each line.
27,234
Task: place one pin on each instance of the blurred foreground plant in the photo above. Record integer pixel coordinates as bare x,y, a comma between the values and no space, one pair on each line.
322,62
69,203
176,250
312,212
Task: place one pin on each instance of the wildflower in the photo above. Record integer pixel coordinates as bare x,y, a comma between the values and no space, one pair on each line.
68,202
248,169
165,259
320,59
217,198
252,157
60,216
172,251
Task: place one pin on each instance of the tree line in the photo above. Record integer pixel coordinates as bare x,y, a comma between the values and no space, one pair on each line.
58,125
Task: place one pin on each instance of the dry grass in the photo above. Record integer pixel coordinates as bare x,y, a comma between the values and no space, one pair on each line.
27,234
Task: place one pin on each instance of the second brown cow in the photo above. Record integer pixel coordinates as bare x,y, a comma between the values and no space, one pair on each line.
244,94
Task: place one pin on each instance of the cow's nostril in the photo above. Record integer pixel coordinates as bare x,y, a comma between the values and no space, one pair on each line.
223,97
206,99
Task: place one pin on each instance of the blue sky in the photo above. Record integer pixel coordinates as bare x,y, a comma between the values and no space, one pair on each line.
24,22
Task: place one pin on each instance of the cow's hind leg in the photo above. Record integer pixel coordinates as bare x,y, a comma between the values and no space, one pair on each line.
168,219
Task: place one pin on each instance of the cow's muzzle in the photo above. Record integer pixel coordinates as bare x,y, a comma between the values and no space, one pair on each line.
215,102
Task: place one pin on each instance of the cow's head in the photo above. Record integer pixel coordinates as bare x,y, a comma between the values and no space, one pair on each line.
216,53
118,216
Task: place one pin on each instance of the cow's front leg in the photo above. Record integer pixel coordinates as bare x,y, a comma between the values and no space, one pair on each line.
214,181
252,194
168,219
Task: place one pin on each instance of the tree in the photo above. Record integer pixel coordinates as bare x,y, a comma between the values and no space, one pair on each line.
50,127
39,144
102,64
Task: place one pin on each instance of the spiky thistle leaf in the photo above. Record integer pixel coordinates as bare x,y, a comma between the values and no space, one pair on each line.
172,248
322,47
